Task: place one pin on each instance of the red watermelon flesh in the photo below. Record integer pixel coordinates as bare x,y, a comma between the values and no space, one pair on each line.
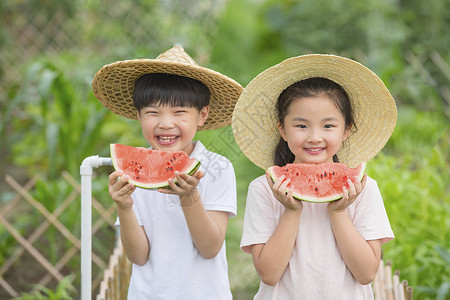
317,182
149,168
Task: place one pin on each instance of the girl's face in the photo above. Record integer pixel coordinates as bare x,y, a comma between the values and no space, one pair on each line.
171,128
314,129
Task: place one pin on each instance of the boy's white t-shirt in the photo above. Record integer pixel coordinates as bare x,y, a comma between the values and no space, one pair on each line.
316,269
175,269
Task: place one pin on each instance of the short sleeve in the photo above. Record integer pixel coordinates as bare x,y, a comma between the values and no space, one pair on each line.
260,219
218,188
370,217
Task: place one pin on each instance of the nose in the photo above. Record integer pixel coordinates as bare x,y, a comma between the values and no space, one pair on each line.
314,136
166,122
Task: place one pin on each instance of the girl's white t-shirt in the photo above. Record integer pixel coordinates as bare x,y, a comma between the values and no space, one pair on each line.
316,269
175,269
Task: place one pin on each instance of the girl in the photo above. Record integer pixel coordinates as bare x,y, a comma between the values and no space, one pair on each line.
319,108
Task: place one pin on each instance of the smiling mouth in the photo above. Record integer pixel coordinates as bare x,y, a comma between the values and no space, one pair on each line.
167,140
314,150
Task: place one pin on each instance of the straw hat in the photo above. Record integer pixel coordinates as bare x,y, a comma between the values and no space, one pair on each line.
255,120
113,84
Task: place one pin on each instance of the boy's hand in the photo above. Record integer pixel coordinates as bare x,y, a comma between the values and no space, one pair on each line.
185,187
279,191
350,195
120,190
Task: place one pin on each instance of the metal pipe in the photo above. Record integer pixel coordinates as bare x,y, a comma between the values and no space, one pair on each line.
86,221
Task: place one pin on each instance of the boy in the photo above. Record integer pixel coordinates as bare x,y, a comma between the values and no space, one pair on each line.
174,237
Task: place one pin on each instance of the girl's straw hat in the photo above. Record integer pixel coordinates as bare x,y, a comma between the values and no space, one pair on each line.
113,84
255,120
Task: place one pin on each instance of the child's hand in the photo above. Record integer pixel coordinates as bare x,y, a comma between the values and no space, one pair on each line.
185,186
350,195
279,191
120,190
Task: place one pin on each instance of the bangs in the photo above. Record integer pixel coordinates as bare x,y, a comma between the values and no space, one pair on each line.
171,90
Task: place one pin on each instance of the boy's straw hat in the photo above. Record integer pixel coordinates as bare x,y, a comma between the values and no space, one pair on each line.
113,84
255,120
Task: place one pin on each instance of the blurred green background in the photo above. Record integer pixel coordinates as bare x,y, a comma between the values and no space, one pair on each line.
50,120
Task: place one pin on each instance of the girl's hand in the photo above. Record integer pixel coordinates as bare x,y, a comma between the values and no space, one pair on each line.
355,188
120,190
279,191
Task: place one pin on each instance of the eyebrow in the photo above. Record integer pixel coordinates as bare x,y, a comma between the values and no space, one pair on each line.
329,119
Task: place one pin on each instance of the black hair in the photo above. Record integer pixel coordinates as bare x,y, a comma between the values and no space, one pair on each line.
169,89
311,87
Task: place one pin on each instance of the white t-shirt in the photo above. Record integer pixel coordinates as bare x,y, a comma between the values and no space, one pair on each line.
175,269
316,269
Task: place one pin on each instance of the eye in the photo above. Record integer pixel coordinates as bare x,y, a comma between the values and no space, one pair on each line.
301,126
328,126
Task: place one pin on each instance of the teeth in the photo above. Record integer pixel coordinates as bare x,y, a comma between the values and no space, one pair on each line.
314,150
167,138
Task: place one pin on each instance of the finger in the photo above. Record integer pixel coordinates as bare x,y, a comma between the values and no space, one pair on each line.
290,194
351,187
189,180
358,186
345,196
283,186
199,175
166,191
121,182
174,186
181,180
278,182
364,181
127,189
113,177
269,179
117,185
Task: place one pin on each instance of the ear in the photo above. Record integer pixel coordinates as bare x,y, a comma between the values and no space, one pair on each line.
282,131
347,132
204,113
138,113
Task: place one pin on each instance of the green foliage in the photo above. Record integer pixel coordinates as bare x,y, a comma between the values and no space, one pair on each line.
435,15
50,121
6,244
248,45
416,132
61,123
64,291
417,200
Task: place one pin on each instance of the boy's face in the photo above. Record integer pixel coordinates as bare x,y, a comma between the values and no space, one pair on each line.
171,128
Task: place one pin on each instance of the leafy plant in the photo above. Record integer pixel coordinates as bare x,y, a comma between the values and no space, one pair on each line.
417,201
62,126
64,291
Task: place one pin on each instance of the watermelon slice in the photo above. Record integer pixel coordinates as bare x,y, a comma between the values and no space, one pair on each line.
149,168
317,182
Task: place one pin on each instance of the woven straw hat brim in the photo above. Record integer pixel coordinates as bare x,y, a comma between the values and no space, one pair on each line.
255,121
113,86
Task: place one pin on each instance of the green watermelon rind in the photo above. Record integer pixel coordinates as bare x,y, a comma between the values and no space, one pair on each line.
191,169
322,199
